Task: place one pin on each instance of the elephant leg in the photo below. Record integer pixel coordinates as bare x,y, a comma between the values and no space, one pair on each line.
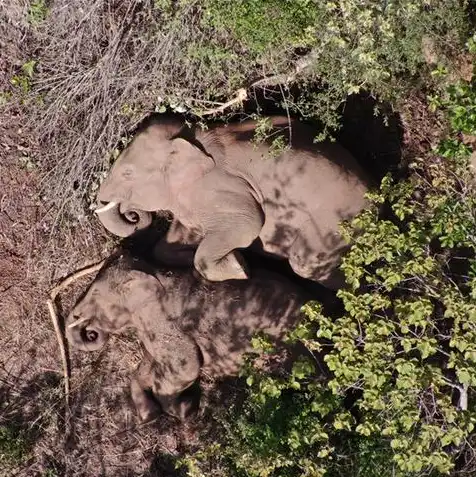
141,386
165,384
184,405
316,254
217,259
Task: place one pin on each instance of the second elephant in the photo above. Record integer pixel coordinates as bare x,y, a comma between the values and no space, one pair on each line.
186,324
230,193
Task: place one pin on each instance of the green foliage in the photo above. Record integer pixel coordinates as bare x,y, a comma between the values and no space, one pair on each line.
5,97
265,132
381,47
22,81
37,12
13,446
263,25
399,397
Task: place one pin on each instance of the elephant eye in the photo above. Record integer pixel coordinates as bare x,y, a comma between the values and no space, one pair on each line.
128,172
89,336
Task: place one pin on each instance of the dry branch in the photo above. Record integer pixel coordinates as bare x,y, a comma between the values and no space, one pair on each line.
241,94
50,303
301,65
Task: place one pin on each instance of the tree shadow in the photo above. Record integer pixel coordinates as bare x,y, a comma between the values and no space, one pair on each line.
164,465
370,129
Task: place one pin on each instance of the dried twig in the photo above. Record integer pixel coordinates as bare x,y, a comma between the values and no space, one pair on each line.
302,64
50,303
285,78
241,95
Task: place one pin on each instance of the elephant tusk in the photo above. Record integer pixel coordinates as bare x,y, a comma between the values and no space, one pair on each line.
78,322
105,208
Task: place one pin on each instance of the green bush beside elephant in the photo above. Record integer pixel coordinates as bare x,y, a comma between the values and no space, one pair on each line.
227,193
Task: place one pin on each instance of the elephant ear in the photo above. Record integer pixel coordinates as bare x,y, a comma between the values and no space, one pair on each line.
187,163
140,288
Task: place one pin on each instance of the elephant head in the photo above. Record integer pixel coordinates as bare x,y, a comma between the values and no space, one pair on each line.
160,162
110,303
126,294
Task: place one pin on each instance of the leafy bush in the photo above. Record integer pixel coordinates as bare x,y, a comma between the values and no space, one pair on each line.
401,360
381,47
14,446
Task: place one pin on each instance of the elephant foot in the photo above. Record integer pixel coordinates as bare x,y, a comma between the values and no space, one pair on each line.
232,267
185,406
145,405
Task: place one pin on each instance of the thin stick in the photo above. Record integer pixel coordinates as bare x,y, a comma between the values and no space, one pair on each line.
66,282
50,303
54,318
241,95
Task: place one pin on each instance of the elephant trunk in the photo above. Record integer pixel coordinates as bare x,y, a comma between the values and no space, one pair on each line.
123,222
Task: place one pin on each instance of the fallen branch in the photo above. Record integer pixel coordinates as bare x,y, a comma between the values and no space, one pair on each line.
50,303
241,94
302,64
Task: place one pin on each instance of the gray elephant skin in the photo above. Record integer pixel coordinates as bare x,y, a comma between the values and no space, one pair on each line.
187,325
226,191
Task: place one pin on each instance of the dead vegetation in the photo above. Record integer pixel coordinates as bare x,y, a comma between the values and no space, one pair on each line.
126,60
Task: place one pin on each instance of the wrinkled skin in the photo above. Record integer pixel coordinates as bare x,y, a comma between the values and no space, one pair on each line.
186,324
226,192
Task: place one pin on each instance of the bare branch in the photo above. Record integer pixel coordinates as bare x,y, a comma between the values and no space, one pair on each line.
241,95
275,80
302,64
50,303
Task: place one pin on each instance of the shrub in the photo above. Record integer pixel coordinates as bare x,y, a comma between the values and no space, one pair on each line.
401,360
14,446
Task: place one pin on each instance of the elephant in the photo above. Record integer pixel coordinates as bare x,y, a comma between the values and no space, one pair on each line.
186,324
226,193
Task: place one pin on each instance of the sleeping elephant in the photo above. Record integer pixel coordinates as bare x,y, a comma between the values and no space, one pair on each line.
226,192
186,324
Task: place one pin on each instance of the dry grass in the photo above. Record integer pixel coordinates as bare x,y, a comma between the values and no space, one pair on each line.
124,58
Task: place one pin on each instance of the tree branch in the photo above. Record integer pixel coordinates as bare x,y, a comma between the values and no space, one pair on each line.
53,311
